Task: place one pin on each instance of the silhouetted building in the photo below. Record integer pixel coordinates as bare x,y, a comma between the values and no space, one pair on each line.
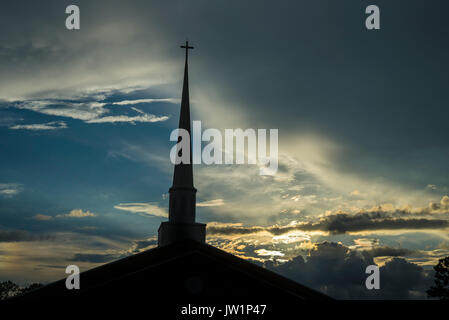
181,224
183,269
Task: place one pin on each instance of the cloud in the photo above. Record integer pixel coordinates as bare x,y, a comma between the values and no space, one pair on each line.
340,272
337,224
147,208
441,207
233,229
252,198
389,252
366,242
42,217
404,280
62,108
94,257
141,245
291,237
55,125
86,111
133,102
25,259
8,190
344,223
21,235
141,118
211,203
271,253
375,219
76,213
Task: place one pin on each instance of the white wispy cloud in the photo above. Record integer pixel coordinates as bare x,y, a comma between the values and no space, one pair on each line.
211,203
133,102
147,208
54,125
76,110
122,118
89,112
8,190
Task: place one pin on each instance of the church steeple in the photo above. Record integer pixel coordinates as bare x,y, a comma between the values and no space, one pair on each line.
181,215
183,174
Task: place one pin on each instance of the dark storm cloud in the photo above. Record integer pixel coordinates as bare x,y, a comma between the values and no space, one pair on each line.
20,235
340,272
342,223
389,252
233,230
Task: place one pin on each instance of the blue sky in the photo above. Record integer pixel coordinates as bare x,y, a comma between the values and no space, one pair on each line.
85,120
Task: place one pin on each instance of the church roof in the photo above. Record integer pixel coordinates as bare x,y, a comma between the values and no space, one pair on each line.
182,272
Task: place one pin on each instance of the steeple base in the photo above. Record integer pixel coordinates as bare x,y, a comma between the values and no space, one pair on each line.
170,232
182,205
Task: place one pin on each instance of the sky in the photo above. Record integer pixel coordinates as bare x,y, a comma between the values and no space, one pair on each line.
86,116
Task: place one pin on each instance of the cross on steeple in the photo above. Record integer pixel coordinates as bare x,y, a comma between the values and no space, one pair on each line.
187,47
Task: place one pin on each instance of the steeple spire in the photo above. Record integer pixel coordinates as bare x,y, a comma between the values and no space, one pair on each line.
181,214
183,174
